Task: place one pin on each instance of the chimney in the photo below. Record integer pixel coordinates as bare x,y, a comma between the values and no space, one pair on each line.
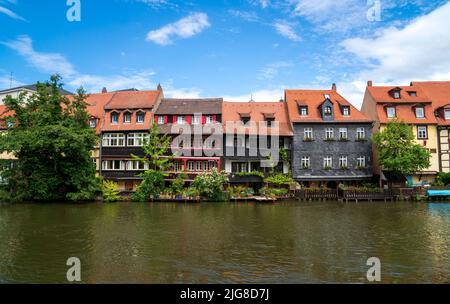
334,87
104,91
159,88
369,83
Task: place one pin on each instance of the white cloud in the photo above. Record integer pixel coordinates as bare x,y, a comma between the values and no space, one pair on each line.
286,30
418,51
10,13
247,16
46,62
269,95
184,28
270,71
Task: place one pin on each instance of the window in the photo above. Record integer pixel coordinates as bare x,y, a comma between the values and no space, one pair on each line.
396,94
343,133
329,133
420,112
360,133
93,123
303,111
137,139
327,96
160,120
209,119
135,165
239,167
109,165
422,132
114,140
140,117
390,112
343,162
447,114
361,162
115,118
346,111
270,121
328,162
328,111
127,118
412,94
245,120
308,134
306,162
181,120
196,120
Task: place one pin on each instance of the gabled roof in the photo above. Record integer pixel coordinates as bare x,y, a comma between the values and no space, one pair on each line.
438,92
257,112
314,99
207,106
132,100
381,94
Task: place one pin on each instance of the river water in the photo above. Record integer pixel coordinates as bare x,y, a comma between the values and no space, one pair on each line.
289,242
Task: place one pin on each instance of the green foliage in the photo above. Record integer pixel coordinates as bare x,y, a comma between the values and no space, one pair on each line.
273,192
151,187
210,185
280,179
52,142
398,152
240,191
443,179
156,149
253,173
110,191
178,184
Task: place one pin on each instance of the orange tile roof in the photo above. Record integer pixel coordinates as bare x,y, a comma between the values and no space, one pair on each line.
133,126
439,93
232,112
313,99
133,100
404,106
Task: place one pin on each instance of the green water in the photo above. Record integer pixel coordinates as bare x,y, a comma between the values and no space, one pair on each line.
225,243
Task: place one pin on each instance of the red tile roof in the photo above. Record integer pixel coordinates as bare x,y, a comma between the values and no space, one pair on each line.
439,93
404,106
314,99
257,112
133,100
121,126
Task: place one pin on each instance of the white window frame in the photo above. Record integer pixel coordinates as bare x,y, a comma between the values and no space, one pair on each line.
361,162
391,110
209,119
422,132
113,140
423,112
308,134
361,133
343,162
196,120
93,123
343,133
306,162
136,139
127,117
303,111
397,94
447,114
138,116
110,165
329,133
115,121
328,162
181,120
135,165
160,120
346,111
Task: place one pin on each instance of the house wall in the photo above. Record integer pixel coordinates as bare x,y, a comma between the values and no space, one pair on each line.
319,148
369,108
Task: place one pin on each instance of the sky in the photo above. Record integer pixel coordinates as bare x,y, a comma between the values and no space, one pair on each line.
225,48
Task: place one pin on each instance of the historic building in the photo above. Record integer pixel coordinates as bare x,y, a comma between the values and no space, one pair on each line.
127,118
408,104
196,131
332,139
438,92
254,135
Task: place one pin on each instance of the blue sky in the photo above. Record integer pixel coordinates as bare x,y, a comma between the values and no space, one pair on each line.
223,48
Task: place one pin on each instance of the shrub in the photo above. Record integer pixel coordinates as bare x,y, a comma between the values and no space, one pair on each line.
110,191
151,187
210,185
280,179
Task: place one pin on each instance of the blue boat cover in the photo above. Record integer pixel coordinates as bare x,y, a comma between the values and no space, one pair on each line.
438,192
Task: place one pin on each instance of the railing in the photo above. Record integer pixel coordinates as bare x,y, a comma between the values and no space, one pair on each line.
316,194
367,195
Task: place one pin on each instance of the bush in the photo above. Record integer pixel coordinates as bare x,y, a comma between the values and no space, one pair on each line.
151,187
110,191
443,179
273,192
280,179
209,185
178,185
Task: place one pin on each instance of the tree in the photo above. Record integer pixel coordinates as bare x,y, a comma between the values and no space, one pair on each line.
210,185
110,191
156,148
398,152
52,141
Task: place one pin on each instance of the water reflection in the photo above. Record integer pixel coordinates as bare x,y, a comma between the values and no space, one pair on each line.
225,243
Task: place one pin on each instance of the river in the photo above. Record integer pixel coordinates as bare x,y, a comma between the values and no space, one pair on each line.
289,242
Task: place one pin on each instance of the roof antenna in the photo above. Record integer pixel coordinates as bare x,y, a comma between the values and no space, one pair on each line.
251,98
11,80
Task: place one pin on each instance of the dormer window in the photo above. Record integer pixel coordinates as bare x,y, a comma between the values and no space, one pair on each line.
114,118
209,119
181,120
303,111
447,114
396,94
327,96
270,121
93,123
160,120
391,112
412,94
140,117
346,111
127,117
420,112
328,111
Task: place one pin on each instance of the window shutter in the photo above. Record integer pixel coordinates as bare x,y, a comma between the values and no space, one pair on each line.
156,119
175,118
166,119
203,119
214,118
188,119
